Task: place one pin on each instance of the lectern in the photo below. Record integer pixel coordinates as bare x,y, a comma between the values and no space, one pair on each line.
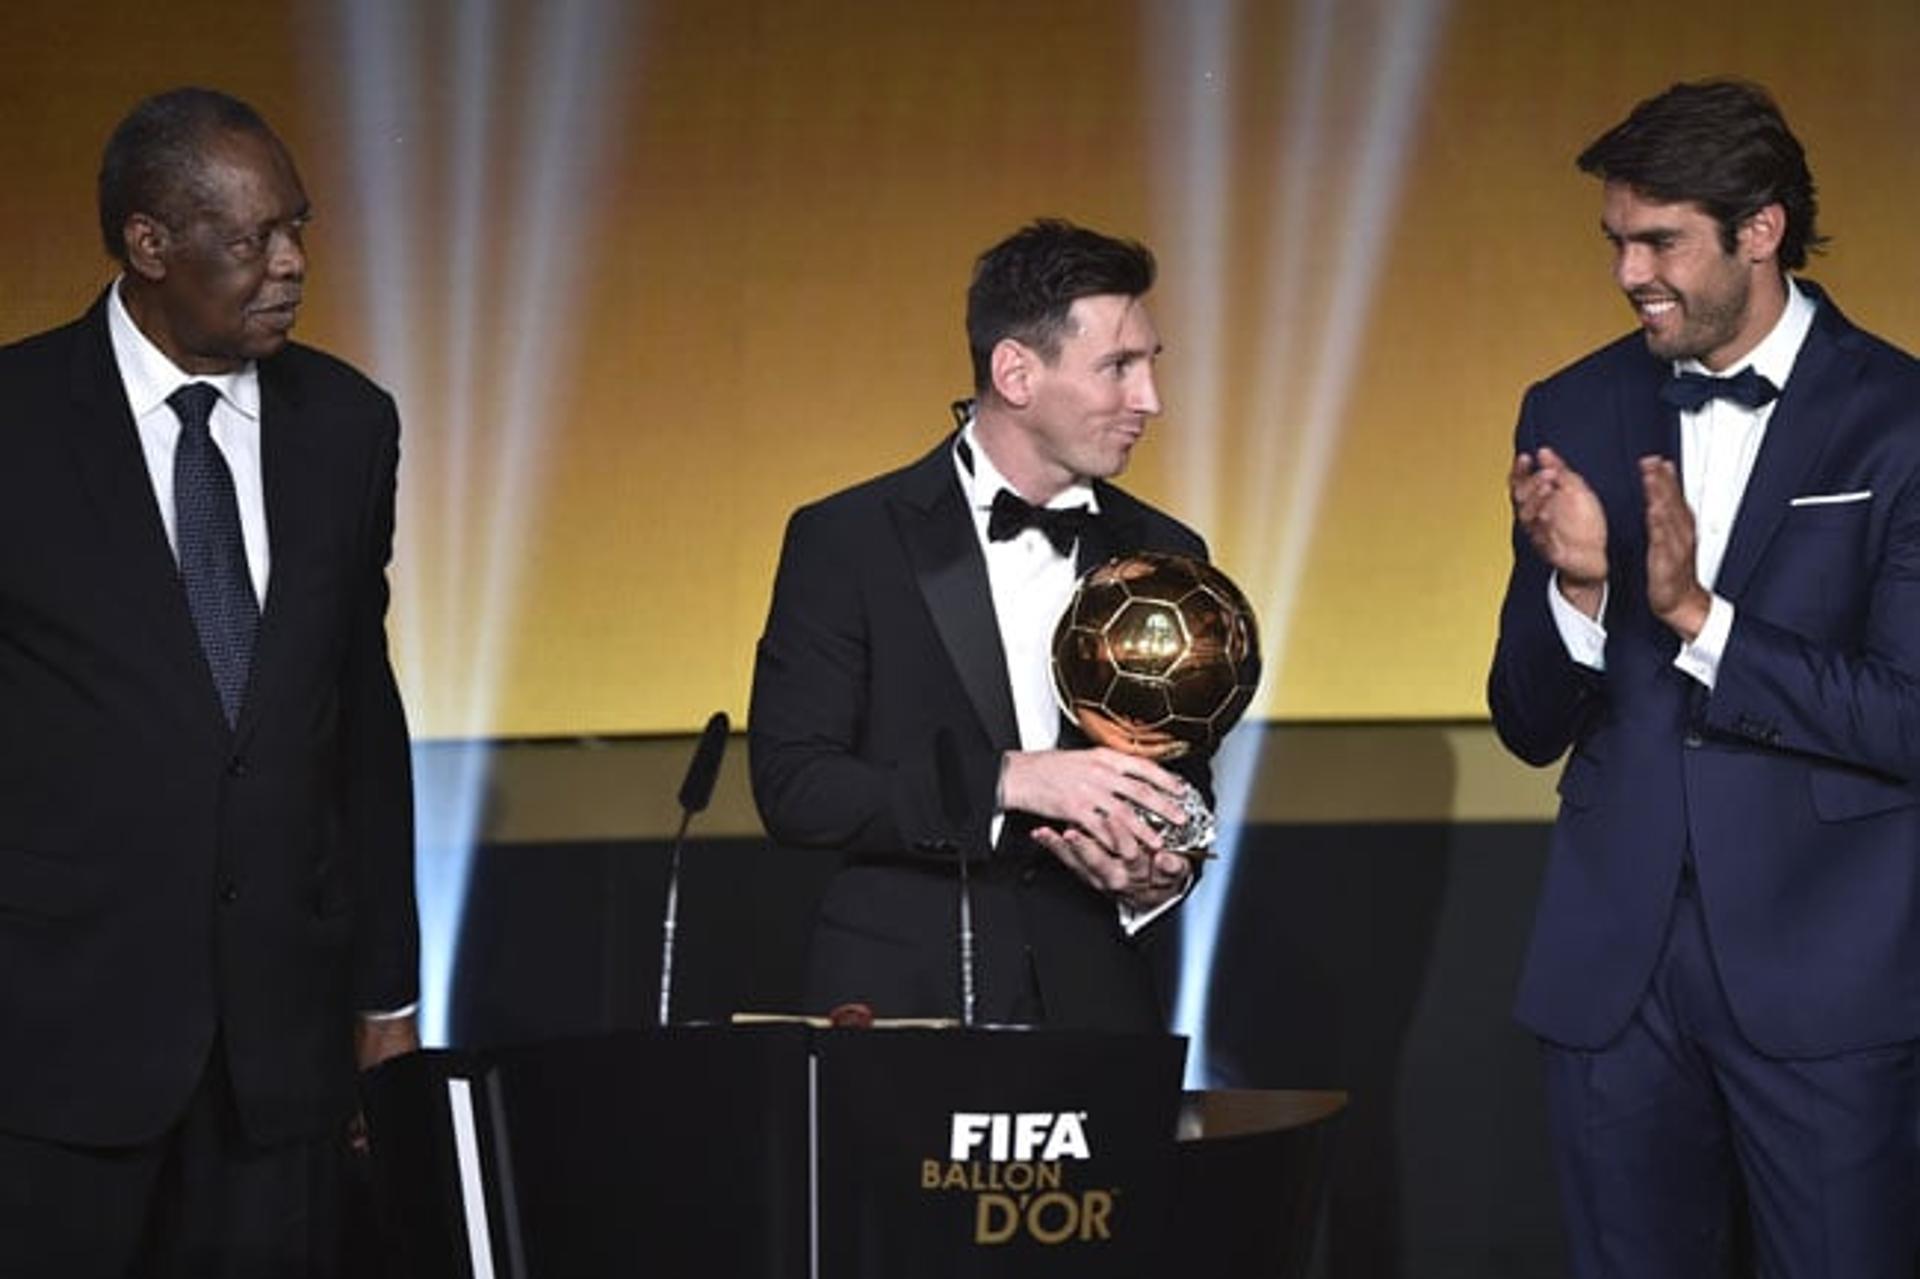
793,1153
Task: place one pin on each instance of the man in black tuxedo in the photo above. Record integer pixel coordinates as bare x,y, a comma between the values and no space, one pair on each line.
924,600
206,876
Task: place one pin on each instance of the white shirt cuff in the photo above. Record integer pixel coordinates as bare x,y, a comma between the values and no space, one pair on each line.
1701,658
1585,638
1132,921
392,1014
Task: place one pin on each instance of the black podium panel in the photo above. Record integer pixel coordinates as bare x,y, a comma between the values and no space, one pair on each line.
1250,1173
783,1152
675,1152
994,1153
426,1117
684,1148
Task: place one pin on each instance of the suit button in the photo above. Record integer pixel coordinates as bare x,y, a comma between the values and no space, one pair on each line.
1692,740
1028,875
237,766
229,892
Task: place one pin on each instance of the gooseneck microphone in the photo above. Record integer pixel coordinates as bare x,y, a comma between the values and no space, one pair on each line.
956,811
695,792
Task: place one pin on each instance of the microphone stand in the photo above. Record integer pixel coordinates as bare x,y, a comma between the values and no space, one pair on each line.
956,812
670,923
966,941
695,791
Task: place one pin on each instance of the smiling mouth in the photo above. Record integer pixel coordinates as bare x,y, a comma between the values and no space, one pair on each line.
1652,309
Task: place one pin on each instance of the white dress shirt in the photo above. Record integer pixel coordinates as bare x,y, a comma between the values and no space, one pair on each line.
1719,442
1031,584
149,377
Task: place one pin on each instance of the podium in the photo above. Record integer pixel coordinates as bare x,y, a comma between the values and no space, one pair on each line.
1250,1174
791,1152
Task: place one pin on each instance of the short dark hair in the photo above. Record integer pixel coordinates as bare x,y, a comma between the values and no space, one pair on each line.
154,161
1024,286
1721,144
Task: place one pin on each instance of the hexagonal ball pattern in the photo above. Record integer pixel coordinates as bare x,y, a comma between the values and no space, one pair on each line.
1156,653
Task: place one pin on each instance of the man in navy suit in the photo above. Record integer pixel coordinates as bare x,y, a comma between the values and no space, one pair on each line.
1715,605
922,603
206,843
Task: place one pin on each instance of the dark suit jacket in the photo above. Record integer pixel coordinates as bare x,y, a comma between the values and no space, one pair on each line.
161,875
1793,782
880,633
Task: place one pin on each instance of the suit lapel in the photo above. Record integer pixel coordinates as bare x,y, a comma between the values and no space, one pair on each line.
937,531
287,467
1117,530
139,564
1648,427
1797,433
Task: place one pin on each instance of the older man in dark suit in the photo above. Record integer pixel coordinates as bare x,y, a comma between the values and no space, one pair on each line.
1715,604
922,603
206,899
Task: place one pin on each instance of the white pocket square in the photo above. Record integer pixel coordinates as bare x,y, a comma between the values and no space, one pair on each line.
1831,499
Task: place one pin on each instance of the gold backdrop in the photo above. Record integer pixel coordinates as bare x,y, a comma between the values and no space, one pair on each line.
644,292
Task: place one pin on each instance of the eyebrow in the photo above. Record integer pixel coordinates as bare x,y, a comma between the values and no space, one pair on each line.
1645,235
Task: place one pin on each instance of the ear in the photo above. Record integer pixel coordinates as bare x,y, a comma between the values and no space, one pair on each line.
1760,234
1012,365
147,242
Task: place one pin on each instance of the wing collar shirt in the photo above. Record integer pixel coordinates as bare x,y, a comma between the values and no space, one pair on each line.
1031,584
1719,442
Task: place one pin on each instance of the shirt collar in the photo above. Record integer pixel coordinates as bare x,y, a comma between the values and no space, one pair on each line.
1773,358
980,479
149,377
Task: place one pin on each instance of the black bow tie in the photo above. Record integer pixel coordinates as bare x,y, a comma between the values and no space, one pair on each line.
1011,513
1690,391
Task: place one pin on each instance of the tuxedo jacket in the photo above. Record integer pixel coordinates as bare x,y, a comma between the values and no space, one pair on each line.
168,883
1791,784
881,633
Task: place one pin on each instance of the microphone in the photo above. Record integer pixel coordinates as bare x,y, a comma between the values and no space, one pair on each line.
697,790
695,793
956,811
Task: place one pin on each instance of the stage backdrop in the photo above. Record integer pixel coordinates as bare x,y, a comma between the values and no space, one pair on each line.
646,274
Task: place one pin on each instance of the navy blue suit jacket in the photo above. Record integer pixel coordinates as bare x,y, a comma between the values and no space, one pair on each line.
1793,780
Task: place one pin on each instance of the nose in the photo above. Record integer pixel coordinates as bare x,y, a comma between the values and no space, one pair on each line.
287,255
1632,266
1144,394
